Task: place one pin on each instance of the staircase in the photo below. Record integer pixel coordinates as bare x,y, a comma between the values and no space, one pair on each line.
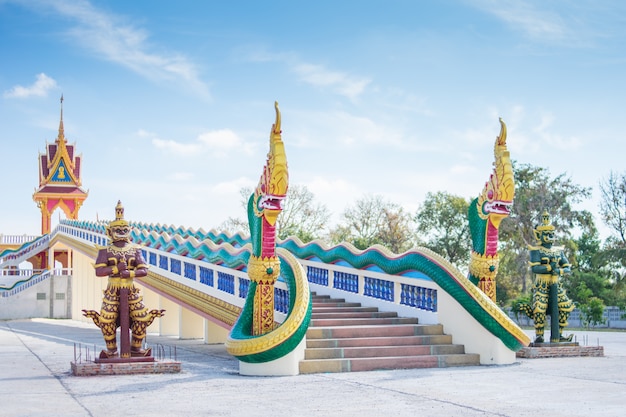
346,337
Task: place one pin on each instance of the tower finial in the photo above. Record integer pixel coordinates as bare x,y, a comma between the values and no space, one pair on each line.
61,130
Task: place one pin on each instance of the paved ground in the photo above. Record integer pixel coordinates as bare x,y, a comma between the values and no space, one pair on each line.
35,380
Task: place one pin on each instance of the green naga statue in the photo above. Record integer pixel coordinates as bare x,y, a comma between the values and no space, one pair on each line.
549,264
255,337
485,214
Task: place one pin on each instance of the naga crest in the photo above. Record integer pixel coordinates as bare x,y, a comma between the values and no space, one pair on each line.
272,189
496,199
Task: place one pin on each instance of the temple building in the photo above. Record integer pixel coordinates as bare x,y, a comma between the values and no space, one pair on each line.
59,180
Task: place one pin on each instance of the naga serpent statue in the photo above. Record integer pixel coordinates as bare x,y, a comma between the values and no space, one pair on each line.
485,214
255,337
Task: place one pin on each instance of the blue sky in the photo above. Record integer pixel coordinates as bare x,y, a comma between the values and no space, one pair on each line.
171,103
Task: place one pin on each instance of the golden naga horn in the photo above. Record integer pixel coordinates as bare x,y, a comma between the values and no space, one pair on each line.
276,125
501,141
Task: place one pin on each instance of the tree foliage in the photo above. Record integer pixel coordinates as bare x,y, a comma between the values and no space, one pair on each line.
302,216
592,312
442,226
373,220
613,205
536,191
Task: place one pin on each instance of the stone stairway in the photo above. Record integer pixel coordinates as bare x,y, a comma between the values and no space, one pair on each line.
347,337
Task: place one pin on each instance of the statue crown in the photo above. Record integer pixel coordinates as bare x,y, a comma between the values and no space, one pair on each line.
119,216
546,224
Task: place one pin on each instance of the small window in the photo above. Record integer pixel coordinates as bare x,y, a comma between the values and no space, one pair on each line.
41,295
59,296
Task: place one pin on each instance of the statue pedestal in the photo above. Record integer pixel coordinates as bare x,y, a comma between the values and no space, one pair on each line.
104,359
125,367
558,350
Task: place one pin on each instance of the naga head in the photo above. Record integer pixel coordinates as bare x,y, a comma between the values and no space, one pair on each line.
272,188
496,199
119,229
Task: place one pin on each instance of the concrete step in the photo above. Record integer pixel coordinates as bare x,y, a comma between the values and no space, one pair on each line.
442,339
372,331
335,304
343,309
379,363
382,351
332,322
321,297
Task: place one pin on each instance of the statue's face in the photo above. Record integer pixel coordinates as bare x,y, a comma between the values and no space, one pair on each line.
547,238
119,233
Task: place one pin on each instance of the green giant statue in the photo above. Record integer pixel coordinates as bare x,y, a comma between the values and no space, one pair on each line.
549,264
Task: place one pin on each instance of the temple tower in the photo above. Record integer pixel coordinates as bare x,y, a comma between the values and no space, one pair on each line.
59,180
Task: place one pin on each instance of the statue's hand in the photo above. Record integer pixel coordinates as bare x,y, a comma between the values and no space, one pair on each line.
125,273
555,268
121,266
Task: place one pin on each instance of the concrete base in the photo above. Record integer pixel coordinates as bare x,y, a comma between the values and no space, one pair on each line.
287,365
558,350
125,368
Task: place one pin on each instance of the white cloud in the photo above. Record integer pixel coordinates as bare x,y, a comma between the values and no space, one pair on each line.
176,147
337,194
181,176
524,16
109,37
217,143
342,83
555,141
233,187
351,131
223,141
43,84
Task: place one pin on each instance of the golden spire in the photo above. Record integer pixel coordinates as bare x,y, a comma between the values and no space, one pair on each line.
61,130
119,211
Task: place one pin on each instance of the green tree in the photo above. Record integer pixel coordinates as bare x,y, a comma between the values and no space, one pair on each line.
613,206
517,303
373,220
442,226
613,213
592,312
613,259
536,191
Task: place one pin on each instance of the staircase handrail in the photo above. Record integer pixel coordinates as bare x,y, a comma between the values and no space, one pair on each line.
16,239
23,284
14,257
220,281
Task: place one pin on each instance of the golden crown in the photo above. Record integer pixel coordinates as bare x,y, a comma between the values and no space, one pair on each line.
546,224
119,216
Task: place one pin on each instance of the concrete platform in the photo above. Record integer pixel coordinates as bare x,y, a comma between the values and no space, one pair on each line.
558,350
124,368
36,380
